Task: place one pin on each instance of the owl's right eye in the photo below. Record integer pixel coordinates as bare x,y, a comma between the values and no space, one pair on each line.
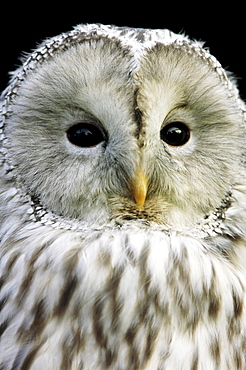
85,135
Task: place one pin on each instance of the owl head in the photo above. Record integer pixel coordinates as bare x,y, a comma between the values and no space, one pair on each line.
105,124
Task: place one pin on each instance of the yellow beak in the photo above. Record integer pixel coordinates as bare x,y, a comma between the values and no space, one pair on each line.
139,188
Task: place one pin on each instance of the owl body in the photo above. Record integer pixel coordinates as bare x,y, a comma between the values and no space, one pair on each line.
123,206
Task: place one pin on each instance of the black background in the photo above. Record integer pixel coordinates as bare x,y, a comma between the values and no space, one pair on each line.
222,29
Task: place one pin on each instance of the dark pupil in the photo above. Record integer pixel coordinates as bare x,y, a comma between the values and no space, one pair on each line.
175,134
84,135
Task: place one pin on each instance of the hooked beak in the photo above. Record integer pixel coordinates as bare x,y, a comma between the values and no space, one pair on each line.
139,188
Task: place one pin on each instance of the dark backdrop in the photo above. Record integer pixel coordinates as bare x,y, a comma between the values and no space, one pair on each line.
223,30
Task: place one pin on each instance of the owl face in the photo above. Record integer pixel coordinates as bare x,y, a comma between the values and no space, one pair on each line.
106,131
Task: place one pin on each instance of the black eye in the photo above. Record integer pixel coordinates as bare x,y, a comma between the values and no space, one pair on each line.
175,133
85,135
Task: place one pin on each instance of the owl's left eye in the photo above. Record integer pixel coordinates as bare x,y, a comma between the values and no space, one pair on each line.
85,135
175,133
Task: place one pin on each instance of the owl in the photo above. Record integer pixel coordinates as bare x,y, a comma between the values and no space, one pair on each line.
123,206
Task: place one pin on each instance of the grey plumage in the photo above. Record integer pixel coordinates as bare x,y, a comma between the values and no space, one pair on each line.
127,253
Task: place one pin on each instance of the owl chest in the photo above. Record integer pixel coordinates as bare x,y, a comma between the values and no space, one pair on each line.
125,301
